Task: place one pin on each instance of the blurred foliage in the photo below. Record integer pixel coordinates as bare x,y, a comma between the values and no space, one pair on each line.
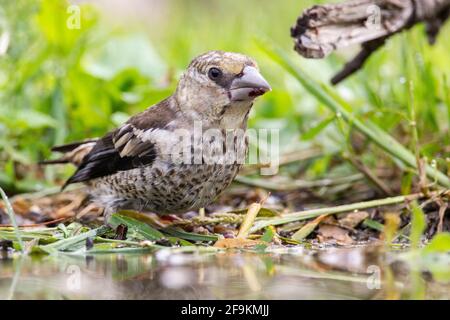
60,84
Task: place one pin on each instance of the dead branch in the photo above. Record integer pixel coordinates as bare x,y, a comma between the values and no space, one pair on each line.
322,29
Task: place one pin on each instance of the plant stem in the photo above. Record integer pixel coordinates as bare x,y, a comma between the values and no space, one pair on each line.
307,214
12,217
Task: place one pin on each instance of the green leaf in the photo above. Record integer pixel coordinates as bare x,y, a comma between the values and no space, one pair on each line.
179,233
12,217
314,131
141,228
32,119
267,238
73,243
263,212
124,52
268,235
373,225
179,241
418,224
439,244
436,257
308,228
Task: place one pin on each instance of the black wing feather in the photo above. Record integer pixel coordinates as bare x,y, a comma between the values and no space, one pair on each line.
105,160
108,157
71,146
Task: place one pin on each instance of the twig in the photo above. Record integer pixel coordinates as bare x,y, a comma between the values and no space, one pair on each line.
307,214
443,206
322,29
358,61
248,220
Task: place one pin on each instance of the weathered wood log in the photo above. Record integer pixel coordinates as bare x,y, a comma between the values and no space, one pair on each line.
322,29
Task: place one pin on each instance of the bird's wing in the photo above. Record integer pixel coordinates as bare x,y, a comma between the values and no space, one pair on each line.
128,147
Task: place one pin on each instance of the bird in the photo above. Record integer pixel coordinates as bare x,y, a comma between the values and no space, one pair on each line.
174,156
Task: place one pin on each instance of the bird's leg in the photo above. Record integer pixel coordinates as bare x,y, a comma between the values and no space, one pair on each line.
143,205
108,211
112,207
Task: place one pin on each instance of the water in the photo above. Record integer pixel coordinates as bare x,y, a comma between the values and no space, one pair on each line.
294,273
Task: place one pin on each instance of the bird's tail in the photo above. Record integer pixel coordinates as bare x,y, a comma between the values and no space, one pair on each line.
72,153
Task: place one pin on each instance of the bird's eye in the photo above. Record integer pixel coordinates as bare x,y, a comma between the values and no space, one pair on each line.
214,73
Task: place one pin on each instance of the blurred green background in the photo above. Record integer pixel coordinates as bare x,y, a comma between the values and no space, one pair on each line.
61,84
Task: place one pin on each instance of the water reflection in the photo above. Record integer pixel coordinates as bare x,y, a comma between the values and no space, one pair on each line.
167,274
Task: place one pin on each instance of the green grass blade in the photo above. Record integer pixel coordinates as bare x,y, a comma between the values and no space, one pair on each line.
439,244
179,233
141,228
418,225
373,225
66,244
12,217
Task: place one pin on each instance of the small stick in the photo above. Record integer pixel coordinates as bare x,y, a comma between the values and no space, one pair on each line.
358,61
325,28
248,220
250,217
308,214
201,212
442,208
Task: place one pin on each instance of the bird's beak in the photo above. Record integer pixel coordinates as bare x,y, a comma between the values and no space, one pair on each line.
249,85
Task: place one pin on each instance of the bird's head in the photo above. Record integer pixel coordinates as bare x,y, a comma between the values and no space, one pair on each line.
220,86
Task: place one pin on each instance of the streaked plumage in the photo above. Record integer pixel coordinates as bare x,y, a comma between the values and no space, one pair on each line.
133,166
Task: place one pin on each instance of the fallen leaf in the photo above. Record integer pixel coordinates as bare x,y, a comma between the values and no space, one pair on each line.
334,234
352,219
308,228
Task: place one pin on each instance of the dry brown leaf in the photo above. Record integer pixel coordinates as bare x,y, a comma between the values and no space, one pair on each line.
21,206
306,230
352,219
334,234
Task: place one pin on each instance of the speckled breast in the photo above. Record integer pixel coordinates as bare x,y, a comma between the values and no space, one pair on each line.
166,188
175,182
